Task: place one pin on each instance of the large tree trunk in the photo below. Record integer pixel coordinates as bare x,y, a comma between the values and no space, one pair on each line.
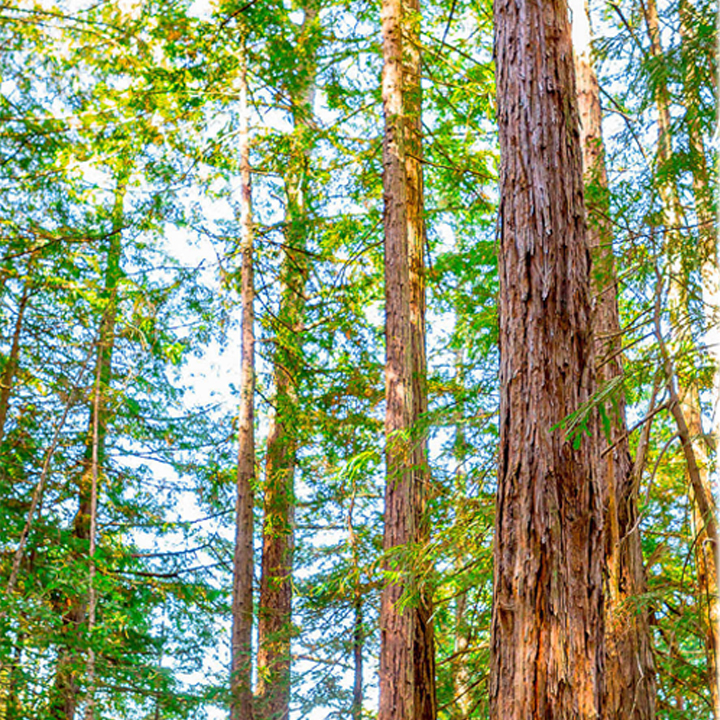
275,609
242,604
66,689
687,409
629,664
547,626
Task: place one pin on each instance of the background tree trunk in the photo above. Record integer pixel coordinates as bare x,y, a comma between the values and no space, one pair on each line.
275,610
64,696
688,409
547,626
242,605
629,663
8,375
397,623
425,702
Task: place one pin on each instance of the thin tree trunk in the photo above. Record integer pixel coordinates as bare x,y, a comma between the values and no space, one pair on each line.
710,273
66,689
425,702
686,410
358,647
358,620
8,376
242,603
397,622
275,609
629,664
92,592
547,625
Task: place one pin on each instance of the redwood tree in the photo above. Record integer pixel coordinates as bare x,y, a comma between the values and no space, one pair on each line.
547,627
629,663
407,664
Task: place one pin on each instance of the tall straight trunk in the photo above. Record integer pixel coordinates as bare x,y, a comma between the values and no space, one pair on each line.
630,690
66,689
688,409
425,702
8,376
547,622
275,608
407,654
397,623
242,602
710,273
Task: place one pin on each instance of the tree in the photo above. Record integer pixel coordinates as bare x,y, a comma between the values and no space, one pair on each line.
547,641
407,664
275,608
629,664
242,611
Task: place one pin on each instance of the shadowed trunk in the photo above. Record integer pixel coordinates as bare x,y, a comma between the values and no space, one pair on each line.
425,702
547,624
629,664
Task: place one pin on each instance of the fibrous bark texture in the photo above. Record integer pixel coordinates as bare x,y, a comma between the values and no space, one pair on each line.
397,623
629,664
547,626
242,607
407,661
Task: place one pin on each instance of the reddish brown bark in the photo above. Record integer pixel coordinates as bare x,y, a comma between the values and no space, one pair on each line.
241,696
629,665
397,623
275,607
425,702
407,662
547,626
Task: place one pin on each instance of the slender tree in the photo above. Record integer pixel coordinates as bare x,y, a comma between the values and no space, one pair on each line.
66,690
242,604
275,609
686,409
407,656
424,644
547,627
